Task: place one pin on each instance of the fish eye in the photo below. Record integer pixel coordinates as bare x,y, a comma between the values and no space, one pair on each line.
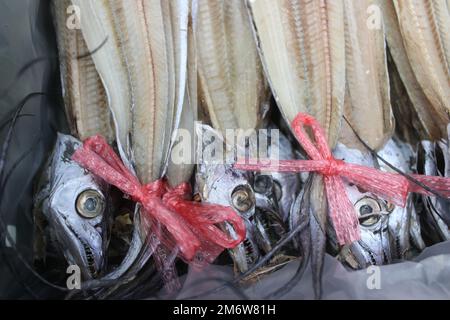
90,204
263,184
242,198
369,210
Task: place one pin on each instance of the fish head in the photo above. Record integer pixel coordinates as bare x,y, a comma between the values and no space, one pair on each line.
283,186
374,246
221,184
268,223
75,205
386,229
433,160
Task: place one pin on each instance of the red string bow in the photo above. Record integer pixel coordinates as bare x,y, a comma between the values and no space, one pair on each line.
190,224
389,186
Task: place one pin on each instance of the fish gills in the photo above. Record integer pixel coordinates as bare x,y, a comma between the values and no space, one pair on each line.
84,96
367,76
424,28
433,121
231,78
303,51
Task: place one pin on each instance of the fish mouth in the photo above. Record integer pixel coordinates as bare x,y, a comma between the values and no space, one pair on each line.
88,253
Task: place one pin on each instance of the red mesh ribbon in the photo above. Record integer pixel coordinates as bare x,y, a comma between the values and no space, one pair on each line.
389,186
190,224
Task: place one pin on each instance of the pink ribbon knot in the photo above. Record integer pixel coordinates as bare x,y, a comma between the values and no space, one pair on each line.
191,226
389,186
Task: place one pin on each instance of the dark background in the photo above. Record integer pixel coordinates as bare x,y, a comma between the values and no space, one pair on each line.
28,63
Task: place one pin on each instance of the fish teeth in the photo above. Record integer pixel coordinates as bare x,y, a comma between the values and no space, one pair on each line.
231,78
302,47
85,98
367,76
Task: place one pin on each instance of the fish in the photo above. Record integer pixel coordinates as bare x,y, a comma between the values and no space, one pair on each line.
302,48
433,160
221,184
76,208
285,185
432,120
146,56
318,221
184,144
232,86
388,232
101,37
367,76
85,98
424,26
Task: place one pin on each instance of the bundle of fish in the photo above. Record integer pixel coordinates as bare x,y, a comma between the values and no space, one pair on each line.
375,74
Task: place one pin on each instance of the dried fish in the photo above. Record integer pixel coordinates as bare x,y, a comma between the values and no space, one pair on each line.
432,120
85,98
424,28
97,26
367,76
231,79
302,48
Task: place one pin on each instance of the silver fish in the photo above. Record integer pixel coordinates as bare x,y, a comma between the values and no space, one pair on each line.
221,184
256,197
75,204
285,185
433,160
388,232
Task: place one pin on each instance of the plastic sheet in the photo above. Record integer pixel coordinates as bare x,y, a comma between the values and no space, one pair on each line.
427,277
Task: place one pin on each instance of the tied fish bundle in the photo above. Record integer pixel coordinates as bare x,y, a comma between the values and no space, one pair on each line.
143,66
339,109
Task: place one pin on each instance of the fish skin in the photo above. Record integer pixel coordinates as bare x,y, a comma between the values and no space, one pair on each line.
85,98
424,46
97,26
433,121
178,173
231,79
437,217
367,76
301,44
318,220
